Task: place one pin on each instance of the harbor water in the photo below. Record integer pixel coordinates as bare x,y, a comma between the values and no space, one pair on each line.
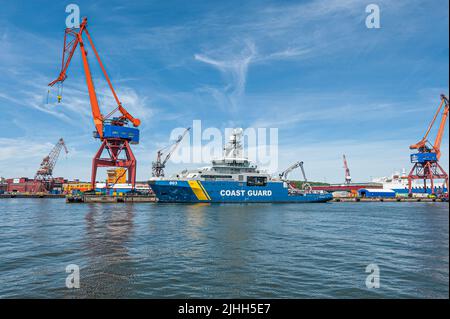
150,250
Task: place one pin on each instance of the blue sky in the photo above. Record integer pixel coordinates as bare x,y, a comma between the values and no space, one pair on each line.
309,68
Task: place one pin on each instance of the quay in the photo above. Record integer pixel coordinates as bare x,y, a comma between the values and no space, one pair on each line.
380,199
94,198
33,195
134,198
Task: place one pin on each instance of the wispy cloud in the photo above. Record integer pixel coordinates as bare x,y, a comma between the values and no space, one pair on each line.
19,148
34,101
234,68
310,68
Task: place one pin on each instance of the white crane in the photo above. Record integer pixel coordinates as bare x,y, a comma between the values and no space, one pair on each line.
284,175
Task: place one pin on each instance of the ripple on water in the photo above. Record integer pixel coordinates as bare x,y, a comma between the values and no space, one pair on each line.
248,251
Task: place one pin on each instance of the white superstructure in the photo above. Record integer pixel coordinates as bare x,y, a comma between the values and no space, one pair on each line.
396,181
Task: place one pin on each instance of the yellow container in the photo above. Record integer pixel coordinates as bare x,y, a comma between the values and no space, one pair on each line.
117,176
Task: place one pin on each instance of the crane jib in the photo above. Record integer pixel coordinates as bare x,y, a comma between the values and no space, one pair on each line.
69,49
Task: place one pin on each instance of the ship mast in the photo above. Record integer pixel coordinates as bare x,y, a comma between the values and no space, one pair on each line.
234,147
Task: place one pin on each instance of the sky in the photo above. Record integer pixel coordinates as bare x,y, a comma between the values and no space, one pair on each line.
311,69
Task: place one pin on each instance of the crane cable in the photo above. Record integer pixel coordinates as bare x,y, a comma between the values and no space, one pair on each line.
58,96
60,91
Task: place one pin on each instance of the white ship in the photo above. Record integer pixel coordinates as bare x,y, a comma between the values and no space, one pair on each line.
399,184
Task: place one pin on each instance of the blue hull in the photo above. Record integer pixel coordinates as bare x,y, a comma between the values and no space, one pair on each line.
176,191
420,190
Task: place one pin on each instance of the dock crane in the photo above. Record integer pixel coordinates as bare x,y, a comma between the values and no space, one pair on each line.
159,165
44,175
426,160
113,132
348,179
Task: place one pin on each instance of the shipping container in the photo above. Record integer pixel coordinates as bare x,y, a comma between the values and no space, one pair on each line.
117,176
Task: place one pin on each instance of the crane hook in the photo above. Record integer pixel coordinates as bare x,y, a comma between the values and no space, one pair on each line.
60,90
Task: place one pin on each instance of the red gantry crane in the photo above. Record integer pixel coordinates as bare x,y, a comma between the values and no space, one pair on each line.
159,165
426,161
114,133
44,175
348,178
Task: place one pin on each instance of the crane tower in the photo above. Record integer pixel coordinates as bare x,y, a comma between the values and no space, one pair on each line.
348,178
426,160
113,132
159,165
44,175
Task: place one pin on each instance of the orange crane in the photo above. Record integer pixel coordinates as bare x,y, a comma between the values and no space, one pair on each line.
114,133
348,179
426,161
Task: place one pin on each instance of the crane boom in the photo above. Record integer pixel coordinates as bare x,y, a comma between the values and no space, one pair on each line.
284,174
48,163
348,178
175,146
303,171
440,134
436,147
69,48
292,188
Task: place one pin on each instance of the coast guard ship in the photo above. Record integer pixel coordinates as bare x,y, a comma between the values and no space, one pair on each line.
231,179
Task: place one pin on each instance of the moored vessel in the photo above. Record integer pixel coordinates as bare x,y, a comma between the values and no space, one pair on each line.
231,179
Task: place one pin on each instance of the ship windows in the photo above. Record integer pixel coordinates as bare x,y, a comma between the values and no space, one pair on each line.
213,177
256,180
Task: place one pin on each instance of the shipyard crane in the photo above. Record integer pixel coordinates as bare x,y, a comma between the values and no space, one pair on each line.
44,175
426,160
159,165
113,132
348,179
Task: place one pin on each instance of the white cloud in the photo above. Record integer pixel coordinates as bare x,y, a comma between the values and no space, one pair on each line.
232,45
20,148
234,68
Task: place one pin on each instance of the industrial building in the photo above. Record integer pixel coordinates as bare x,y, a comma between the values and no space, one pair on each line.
27,185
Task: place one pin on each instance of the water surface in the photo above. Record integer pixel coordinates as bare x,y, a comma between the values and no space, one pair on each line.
223,251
